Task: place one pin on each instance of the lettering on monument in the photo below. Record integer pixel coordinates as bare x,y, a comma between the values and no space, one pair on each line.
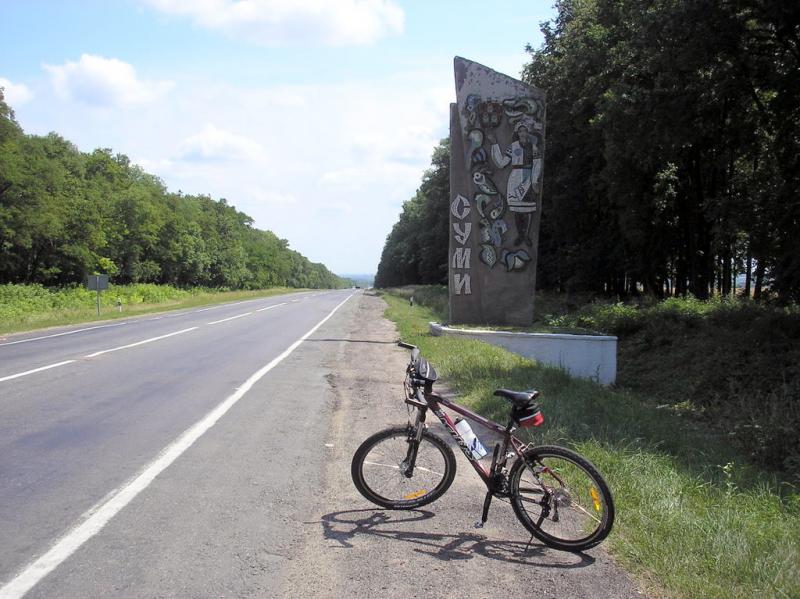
461,283
462,231
497,131
460,207
461,256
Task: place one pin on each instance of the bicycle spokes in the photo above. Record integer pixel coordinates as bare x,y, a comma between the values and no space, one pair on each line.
560,498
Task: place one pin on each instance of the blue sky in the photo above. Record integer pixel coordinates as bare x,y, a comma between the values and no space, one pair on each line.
315,117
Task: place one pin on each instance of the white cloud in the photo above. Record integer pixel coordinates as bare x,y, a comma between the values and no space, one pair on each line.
103,81
293,22
218,145
15,94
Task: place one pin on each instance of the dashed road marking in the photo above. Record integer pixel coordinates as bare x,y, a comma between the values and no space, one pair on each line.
230,318
108,351
269,307
102,326
99,515
19,374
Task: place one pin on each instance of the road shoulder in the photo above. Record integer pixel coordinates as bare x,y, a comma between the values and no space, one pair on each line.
352,548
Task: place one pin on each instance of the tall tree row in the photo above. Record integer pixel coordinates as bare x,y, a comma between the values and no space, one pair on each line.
673,153
416,249
673,157
65,214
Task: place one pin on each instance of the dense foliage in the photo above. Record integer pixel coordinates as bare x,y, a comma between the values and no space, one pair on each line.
416,248
673,153
65,214
733,364
673,147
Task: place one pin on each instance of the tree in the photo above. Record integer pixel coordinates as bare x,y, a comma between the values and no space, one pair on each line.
417,247
64,214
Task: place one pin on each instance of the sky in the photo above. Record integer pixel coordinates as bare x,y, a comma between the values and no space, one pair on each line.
317,118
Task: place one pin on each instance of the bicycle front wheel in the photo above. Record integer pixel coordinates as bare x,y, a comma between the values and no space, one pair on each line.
560,497
386,472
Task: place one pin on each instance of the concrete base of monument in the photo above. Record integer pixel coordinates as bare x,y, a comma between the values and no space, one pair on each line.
591,357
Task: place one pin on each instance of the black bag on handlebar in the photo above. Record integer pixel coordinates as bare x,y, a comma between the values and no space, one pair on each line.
425,370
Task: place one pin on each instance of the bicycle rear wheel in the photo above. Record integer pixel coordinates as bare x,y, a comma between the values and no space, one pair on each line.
560,497
381,472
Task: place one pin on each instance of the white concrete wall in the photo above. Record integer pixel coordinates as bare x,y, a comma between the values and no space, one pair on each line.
584,356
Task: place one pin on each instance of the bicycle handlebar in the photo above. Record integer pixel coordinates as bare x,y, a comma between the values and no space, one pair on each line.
406,345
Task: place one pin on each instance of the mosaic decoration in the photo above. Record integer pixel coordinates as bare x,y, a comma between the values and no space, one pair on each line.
498,126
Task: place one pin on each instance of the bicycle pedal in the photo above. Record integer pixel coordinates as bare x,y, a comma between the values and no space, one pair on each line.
479,524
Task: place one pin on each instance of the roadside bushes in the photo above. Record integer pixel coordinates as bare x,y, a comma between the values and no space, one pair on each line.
32,303
732,363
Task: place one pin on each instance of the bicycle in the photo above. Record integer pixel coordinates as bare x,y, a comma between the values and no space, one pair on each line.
557,494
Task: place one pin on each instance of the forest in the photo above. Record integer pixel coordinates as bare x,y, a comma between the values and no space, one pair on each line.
66,213
672,159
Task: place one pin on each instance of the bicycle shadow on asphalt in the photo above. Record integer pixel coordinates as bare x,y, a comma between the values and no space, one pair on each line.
346,526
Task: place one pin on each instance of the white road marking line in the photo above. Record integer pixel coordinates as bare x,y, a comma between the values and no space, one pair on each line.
102,326
99,514
230,318
269,307
107,351
19,374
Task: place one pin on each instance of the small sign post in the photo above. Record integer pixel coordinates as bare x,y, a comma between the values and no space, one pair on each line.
97,283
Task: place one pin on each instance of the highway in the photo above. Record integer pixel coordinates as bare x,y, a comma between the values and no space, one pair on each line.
206,453
85,410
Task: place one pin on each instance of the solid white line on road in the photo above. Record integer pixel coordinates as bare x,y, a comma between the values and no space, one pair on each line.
102,326
108,351
19,374
269,307
99,515
230,318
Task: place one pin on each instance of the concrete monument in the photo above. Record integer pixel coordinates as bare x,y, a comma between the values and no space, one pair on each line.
497,138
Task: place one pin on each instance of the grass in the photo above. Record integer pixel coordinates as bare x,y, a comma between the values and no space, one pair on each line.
694,518
734,365
435,297
28,307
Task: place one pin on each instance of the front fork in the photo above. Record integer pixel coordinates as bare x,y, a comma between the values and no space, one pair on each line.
414,438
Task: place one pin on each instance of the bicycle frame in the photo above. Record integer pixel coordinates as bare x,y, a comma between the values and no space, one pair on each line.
435,403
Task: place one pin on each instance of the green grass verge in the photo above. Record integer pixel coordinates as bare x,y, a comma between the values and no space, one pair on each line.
693,518
29,307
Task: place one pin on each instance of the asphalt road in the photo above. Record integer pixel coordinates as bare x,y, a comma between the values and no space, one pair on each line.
73,433
200,459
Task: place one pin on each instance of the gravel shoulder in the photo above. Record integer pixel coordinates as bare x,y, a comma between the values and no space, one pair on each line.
348,547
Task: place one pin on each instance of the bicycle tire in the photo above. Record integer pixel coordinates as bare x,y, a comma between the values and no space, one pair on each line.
561,498
433,473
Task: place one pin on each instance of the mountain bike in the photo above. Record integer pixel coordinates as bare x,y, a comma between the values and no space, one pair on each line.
557,494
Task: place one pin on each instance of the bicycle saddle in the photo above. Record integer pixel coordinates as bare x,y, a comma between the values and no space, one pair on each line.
520,399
